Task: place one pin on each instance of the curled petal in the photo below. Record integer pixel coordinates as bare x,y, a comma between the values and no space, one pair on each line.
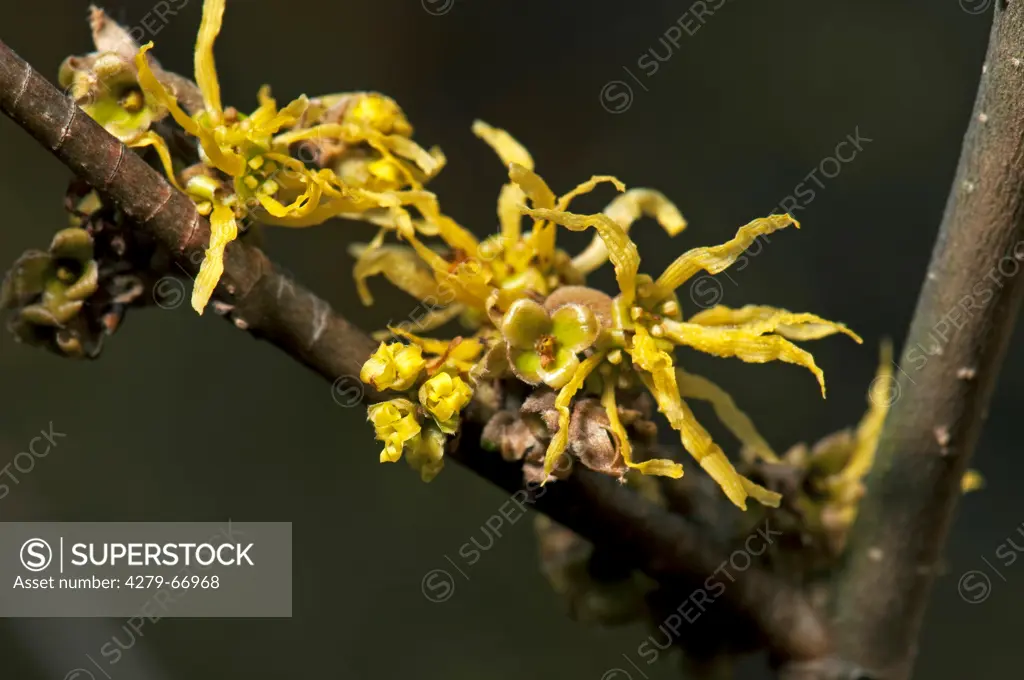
505,145
409,363
304,204
379,370
399,265
714,259
435,318
648,356
393,367
524,323
880,398
444,396
586,187
226,161
459,353
625,210
454,234
794,326
429,163
658,466
395,424
429,345
223,230
537,190
560,439
509,217
739,423
465,349
575,327
150,84
157,142
621,249
542,238
698,442
743,344
206,71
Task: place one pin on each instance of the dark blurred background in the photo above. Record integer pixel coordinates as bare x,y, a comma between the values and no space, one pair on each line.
186,418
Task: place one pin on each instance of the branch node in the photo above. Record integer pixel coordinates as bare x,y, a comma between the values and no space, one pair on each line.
168,193
22,88
122,150
66,130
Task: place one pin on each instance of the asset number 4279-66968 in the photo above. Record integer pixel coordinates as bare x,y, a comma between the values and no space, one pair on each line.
184,582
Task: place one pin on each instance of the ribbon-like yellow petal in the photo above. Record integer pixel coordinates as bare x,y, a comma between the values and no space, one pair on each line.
542,238
512,195
435,318
625,210
223,230
206,71
505,145
621,250
739,423
454,234
226,161
560,439
791,325
157,142
399,265
748,345
714,259
509,216
658,466
695,439
149,83
586,187
470,347
880,398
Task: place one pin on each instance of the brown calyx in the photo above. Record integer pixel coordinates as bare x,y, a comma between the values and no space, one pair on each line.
599,303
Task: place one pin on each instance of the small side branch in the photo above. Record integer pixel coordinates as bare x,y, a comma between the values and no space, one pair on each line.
951,361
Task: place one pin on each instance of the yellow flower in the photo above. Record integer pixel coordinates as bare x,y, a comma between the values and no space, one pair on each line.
444,396
254,153
395,424
495,281
426,453
393,367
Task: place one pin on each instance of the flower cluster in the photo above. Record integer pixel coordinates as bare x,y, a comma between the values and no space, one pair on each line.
534,322
531,321
439,385
70,297
342,155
